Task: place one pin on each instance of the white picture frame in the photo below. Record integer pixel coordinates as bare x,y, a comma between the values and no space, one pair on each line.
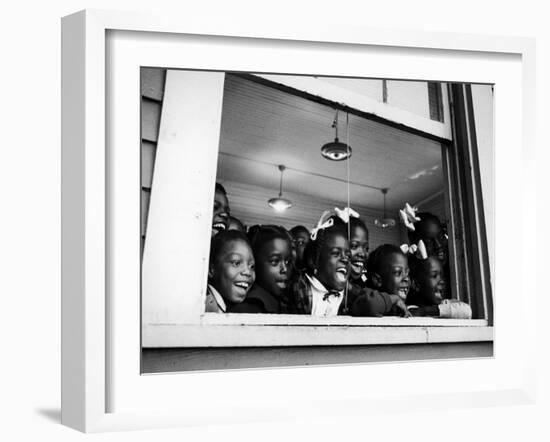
91,371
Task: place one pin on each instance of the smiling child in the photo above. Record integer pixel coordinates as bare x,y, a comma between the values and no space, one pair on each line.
319,290
359,247
387,284
426,297
220,216
231,271
273,255
388,270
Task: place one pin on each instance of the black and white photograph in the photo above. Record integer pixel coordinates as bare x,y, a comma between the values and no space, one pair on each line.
342,212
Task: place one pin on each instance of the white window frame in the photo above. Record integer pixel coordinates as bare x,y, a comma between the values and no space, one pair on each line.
173,314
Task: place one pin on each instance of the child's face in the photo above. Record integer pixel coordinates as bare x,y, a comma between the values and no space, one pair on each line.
430,281
334,260
272,266
433,237
359,246
395,275
220,217
301,239
232,273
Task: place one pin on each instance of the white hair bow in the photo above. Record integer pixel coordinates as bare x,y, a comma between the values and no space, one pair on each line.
415,249
408,216
323,223
346,213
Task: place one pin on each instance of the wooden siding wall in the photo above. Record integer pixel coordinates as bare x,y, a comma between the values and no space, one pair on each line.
152,94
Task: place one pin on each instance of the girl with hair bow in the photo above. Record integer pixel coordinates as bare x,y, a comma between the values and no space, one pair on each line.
426,296
330,263
318,290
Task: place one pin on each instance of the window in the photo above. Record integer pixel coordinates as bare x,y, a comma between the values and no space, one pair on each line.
249,124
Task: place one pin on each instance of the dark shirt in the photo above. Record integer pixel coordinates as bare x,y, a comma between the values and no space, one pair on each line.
258,300
354,289
371,303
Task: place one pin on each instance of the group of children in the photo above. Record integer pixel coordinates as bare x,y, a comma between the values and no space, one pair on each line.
328,270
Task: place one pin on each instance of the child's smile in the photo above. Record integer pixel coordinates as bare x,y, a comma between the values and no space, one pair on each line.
403,292
220,217
342,274
243,285
357,266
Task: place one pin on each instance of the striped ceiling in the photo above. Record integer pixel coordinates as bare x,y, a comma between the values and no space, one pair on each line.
263,127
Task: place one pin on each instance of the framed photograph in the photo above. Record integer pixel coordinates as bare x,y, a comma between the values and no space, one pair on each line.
236,199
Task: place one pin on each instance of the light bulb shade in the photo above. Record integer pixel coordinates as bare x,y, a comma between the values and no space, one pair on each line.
336,151
279,204
384,223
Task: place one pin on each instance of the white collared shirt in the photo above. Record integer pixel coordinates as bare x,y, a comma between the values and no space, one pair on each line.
320,307
213,293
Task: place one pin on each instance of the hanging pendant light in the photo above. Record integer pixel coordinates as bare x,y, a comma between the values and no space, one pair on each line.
336,150
385,222
280,204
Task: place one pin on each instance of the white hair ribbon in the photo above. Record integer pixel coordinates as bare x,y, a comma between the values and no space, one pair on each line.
322,224
346,213
408,216
422,250
405,248
411,212
415,249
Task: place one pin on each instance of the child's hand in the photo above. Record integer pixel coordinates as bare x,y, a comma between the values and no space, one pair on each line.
400,305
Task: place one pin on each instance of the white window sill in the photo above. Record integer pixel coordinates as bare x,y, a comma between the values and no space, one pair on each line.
277,319
249,330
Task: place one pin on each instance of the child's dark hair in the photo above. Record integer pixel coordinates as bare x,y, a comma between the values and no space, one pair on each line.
298,229
353,223
313,248
237,222
417,265
222,238
259,234
377,257
424,217
221,189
